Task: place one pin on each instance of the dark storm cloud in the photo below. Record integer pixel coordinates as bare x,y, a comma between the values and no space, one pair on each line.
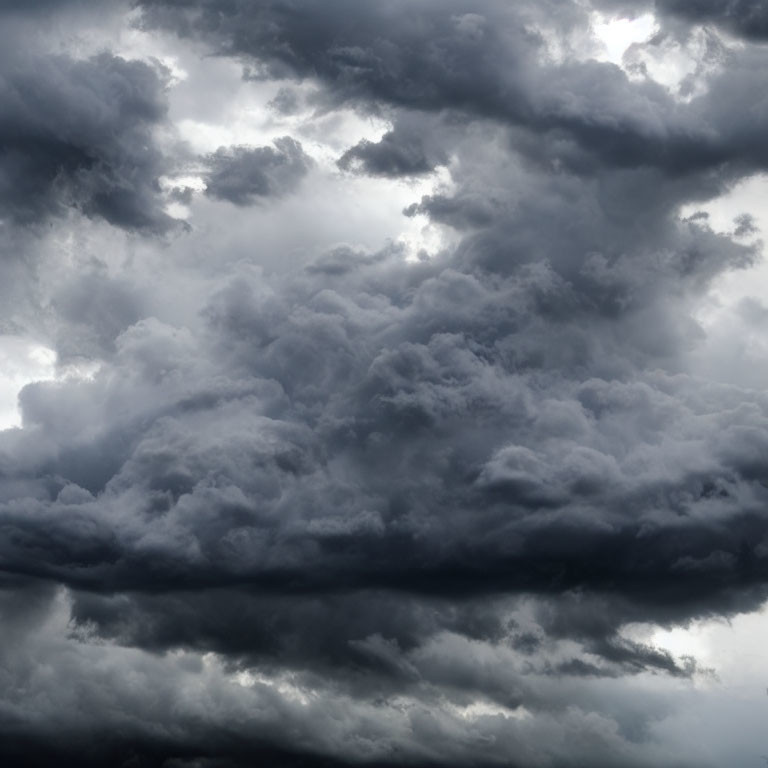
365,641
179,709
243,175
388,157
79,134
372,369
271,630
241,498
389,491
464,65
335,384
487,64
746,18
34,7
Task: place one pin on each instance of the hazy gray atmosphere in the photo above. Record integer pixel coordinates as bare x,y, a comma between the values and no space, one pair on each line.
383,383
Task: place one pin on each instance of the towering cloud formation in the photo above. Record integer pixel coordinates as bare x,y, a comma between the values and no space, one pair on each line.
371,507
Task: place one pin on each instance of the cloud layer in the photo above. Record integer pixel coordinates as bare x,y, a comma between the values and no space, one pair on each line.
362,505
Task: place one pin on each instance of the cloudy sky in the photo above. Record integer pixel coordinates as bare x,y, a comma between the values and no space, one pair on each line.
383,383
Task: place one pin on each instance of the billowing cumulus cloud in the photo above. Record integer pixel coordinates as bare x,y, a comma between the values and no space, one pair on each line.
411,504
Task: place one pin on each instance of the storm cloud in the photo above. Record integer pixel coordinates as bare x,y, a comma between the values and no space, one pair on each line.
390,503
79,134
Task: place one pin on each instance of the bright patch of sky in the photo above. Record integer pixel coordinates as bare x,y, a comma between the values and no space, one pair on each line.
748,197
616,34
634,44
734,312
22,361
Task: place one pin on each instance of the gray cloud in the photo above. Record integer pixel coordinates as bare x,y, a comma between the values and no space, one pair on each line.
243,175
339,381
412,148
747,18
247,473
79,133
182,709
486,64
367,510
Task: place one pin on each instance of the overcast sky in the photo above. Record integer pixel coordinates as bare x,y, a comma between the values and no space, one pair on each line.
383,383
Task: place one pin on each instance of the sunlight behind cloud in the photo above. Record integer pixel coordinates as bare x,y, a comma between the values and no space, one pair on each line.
22,361
733,650
748,198
617,34
25,361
